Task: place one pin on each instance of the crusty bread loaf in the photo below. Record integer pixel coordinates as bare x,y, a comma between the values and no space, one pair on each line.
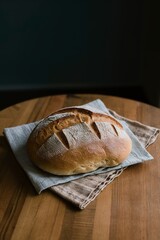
76,140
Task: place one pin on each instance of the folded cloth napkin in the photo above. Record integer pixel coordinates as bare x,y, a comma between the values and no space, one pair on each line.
81,189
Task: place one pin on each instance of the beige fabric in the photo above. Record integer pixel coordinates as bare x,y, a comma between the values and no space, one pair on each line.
84,188
82,191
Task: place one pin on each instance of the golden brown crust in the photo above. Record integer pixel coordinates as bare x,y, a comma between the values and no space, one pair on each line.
76,140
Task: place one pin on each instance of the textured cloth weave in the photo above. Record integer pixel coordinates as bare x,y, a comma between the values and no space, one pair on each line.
81,189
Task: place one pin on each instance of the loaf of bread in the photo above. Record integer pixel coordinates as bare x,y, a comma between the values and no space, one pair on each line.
77,140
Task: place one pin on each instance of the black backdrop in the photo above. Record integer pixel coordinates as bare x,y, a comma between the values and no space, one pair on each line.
77,44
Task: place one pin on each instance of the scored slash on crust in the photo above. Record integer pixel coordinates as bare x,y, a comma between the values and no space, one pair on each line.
75,117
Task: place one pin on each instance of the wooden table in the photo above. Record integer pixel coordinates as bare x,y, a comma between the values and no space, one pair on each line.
128,209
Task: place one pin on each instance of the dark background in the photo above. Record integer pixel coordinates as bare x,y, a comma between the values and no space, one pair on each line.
109,47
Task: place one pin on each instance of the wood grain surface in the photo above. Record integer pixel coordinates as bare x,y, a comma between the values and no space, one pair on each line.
127,209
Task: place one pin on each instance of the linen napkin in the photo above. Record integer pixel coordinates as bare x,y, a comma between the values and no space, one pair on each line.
81,189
